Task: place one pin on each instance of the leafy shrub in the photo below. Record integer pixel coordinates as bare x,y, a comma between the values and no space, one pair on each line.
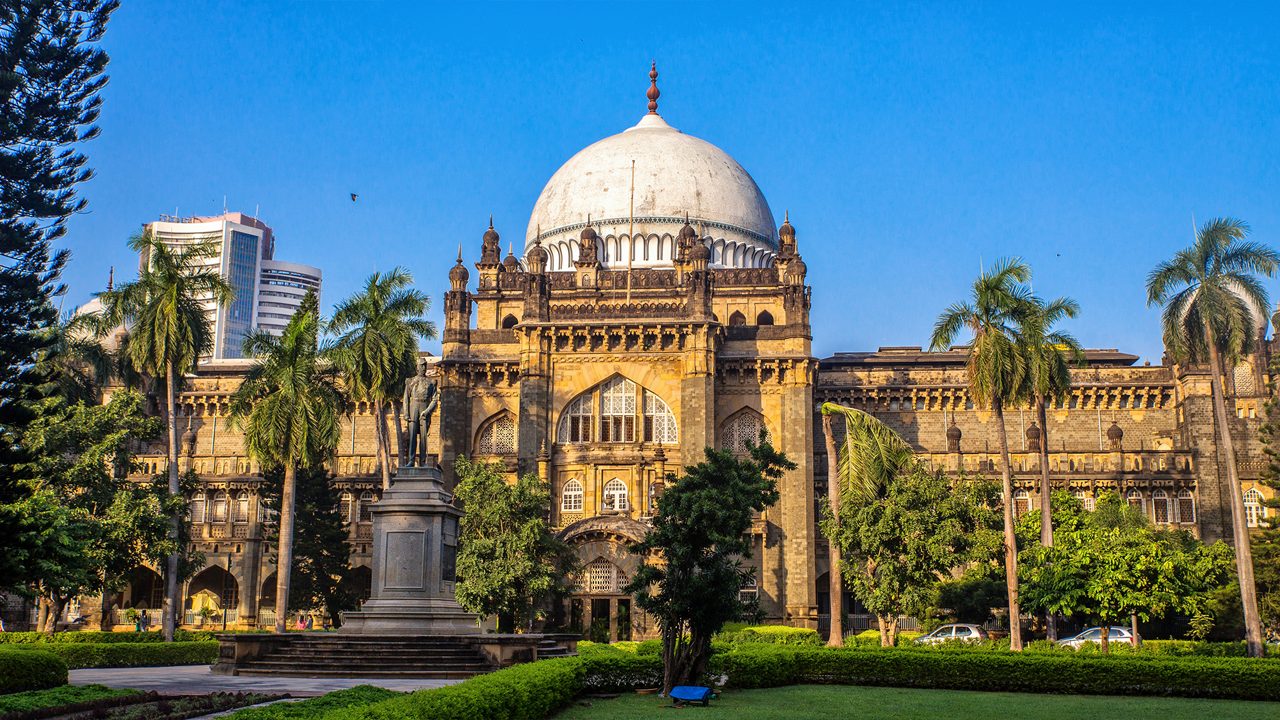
142,654
62,700
90,636
22,670
649,647
770,666
775,634
356,697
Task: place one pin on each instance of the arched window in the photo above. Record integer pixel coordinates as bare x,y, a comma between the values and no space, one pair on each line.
1255,512
618,411
1186,507
346,508
509,322
1134,498
1085,499
571,497
742,430
1161,508
575,423
615,495
659,421
219,506
601,577
764,318
737,318
498,437
241,514
1021,503
366,512
197,507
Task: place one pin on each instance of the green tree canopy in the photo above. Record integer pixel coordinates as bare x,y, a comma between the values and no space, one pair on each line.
692,573
509,560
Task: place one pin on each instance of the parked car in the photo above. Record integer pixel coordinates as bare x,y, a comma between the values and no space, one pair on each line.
947,633
1094,635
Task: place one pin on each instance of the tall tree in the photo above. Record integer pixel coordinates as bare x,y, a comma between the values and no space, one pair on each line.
871,455
509,560
1049,353
996,370
895,569
378,330
1266,542
169,332
51,71
692,572
288,408
321,555
1214,305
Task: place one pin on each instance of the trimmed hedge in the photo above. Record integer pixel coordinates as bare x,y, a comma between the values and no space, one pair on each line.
22,670
773,634
93,636
358,696
143,654
1224,678
62,700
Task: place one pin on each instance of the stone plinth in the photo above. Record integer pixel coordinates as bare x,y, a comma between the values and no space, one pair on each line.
415,540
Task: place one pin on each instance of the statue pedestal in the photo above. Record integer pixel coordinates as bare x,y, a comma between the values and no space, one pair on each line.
415,541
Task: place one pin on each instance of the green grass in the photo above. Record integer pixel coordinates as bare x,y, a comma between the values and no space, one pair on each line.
819,702
59,697
357,696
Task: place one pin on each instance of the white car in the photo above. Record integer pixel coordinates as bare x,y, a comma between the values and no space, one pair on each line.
947,633
1094,635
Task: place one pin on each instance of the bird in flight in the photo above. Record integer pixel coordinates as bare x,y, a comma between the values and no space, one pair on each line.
353,197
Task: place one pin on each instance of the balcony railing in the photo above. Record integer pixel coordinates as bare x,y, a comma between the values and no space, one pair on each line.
1144,462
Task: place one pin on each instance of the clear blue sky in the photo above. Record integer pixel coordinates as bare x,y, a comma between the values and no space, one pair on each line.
909,141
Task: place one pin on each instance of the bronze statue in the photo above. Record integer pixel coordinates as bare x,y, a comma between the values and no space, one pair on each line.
419,404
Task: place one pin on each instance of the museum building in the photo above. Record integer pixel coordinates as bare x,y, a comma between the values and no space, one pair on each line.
658,309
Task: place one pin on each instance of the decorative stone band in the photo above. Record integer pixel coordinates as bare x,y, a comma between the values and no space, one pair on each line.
545,235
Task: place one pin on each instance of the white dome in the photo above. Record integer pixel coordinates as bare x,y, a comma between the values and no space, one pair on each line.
676,175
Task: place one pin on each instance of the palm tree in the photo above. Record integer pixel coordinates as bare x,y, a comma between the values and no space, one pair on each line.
168,332
996,372
288,408
1213,306
1049,354
378,330
871,455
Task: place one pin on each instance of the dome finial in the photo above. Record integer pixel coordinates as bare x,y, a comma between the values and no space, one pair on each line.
653,88
490,221
459,253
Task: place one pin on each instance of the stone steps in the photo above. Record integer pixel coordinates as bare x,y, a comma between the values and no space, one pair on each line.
371,656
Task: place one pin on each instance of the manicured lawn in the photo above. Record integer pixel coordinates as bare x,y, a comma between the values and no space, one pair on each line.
818,702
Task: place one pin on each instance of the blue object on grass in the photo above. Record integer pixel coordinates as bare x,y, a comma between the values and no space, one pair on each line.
692,694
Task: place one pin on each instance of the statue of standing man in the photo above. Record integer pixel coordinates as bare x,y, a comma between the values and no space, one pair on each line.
419,404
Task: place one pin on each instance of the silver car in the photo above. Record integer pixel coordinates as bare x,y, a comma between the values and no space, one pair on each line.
1094,635
947,633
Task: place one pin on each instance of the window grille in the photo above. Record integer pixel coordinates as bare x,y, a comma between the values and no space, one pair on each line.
197,508
347,501
659,421
1186,507
1254,510
499,437
615,495
1021,503
1243,376
743,430
618,411
1161,508
602,577
1134,498
220,506
366,513
575,424
1085,499
242,508
571,497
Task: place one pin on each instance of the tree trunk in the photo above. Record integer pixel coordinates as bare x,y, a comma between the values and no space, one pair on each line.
172,603
1239,531
42,613
395,416
883,623
284,555
1106,636
1133,629
1046,504
835,637
1010,540
384,452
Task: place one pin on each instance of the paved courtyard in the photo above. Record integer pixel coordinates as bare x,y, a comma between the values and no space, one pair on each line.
197,679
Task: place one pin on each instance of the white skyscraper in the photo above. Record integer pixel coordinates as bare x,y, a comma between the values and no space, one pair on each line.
246,247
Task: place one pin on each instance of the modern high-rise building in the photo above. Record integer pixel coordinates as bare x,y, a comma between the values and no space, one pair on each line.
281,287
246,247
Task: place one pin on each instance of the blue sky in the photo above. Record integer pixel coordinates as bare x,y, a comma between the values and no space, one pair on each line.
910,142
